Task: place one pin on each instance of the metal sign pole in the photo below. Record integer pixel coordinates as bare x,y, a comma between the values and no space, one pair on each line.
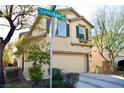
52,33
51,59
51,43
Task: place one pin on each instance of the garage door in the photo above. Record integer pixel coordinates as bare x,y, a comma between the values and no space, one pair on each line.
70,62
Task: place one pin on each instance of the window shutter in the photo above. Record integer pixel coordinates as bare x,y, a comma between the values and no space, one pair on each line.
56,34
82,36
87,36
56,31
67,30
47,26
77,31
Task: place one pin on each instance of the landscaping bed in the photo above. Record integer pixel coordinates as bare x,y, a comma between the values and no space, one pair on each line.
28,84
43,84
119,73
15,79
119,70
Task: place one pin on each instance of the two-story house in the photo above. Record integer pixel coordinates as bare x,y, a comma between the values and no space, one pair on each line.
72,42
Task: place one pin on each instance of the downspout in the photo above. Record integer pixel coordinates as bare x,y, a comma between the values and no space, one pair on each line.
87,62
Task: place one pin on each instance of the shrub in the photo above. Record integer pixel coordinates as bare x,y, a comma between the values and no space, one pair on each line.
120,68
56,74
60,84
13,74
45,83
71,78
36,75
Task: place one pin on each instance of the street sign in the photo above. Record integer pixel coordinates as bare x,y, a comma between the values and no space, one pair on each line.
51,13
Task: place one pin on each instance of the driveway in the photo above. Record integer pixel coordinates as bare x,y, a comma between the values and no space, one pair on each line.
91,80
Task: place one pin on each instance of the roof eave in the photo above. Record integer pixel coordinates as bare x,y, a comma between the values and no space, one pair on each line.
81,18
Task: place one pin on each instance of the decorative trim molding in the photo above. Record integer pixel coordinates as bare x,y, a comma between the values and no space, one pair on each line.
81,44
70,52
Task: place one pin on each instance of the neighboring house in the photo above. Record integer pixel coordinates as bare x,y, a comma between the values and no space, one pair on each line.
97,59
72,42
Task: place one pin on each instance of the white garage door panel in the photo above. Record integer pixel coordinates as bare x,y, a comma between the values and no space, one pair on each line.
70,63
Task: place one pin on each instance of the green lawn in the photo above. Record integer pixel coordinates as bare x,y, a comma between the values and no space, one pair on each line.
18,85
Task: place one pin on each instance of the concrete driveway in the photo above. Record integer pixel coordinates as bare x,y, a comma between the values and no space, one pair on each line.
91,80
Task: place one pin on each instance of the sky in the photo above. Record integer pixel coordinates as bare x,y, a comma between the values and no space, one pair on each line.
85,10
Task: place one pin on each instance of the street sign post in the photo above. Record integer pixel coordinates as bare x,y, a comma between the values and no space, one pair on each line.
53,7
55,15
53,28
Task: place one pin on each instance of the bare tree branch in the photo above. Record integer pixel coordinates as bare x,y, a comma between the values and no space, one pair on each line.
110,26
4,25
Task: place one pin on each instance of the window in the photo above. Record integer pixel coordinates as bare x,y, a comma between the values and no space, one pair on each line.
82,32
62,29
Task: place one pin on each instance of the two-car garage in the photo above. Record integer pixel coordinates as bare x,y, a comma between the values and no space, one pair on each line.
70,62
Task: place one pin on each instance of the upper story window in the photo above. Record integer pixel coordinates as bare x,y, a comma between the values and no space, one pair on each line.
62,29
82,33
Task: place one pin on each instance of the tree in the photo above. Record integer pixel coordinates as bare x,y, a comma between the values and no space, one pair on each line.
24,44
39,58
9,53
22,48
38,55
109,32
18,18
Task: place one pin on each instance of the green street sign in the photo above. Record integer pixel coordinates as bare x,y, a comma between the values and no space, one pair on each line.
51,13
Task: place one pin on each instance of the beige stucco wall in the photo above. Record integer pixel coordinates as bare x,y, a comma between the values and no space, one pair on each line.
64,44
40,27
96,58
